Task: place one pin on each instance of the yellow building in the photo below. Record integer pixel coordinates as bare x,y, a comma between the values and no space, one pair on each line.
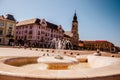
102,45
7,28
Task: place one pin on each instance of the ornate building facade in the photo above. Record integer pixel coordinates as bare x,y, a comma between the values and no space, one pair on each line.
7,28
38,32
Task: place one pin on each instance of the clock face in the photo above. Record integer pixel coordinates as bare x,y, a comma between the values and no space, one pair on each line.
1,23
74,23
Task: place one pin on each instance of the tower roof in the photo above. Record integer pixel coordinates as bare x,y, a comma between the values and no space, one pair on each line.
10,17
75,17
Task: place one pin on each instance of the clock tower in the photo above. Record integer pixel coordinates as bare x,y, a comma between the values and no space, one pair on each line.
74,31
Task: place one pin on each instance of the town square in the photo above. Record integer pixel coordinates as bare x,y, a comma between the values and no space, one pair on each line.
60,40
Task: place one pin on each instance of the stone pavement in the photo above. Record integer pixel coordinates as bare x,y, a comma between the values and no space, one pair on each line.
111,71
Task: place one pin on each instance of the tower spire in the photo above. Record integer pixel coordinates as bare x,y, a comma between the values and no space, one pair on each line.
75,17
75,12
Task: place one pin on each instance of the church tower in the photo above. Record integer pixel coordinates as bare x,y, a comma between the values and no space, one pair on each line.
74,31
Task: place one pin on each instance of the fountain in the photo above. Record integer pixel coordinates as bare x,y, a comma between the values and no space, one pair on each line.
60,44
36,65
59,61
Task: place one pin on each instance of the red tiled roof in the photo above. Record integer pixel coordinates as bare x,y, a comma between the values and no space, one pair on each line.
95,41
101,40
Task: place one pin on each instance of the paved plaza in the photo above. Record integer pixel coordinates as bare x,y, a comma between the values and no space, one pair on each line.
103,68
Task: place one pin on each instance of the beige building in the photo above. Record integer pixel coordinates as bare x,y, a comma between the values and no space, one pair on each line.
102,45
7,28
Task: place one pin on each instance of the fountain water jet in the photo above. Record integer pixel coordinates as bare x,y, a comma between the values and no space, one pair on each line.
60,44
58,61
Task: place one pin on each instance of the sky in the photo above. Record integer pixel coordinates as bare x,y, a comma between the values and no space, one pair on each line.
97,19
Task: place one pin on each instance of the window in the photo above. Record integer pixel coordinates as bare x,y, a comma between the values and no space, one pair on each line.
9,33
48,29
16,27
25,31
16,32
52,30
1,32
22,27
73,26
30,32
42,39
16,37
10,27
30,27
30,37
25,37
38,32
22,37
51,35
48,34
38,37
43,22
1,23
26,26
39,27
42,32
0,40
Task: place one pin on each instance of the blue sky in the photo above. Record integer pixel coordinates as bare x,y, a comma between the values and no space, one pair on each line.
98,19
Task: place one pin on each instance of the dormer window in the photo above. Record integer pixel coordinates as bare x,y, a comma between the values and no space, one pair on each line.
43,22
